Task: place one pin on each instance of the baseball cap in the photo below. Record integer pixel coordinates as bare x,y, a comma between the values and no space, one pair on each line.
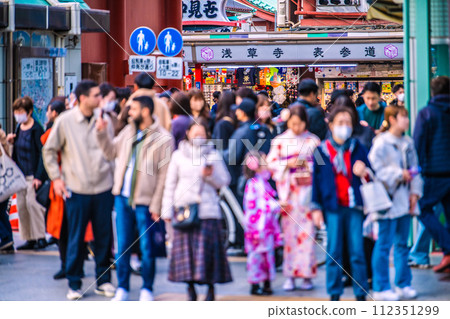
247,105
307,85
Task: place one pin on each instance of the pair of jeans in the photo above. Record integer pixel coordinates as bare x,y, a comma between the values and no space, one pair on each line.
6,235
80,209
436,190
127,219
420,252
392,232
349,221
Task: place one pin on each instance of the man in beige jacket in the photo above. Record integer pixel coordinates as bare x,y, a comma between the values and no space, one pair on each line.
143,86
85,181
142,152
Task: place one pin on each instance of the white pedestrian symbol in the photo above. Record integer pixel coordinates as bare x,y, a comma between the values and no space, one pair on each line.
140,40
168,41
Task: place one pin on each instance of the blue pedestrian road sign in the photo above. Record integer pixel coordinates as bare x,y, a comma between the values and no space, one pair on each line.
170,42
143,41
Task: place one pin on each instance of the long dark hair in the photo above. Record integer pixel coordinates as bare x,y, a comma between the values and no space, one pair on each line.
226,100
262,100
198,95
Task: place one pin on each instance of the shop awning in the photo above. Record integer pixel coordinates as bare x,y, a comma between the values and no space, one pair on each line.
388,10
235,6
41,15
45,3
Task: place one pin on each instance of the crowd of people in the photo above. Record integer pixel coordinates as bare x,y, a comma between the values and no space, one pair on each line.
159,160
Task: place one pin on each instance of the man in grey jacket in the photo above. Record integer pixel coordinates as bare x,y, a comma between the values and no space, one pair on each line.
85,180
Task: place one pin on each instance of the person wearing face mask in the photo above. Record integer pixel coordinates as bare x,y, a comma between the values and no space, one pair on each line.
264,114
27,152
394,161
399,91
139,176
109,104
196,172
291,161
339,164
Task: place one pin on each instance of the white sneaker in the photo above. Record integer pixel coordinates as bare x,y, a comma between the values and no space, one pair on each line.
121,295
306,285
289,284
106,289
406,292
74,294
387,295
146,295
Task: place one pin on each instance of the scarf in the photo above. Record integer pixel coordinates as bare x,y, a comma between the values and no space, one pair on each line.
339,161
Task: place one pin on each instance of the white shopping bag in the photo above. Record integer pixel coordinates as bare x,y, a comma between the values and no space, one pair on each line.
11,178
374,195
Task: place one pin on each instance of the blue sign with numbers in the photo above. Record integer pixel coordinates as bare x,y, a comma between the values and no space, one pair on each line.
170,42
143,41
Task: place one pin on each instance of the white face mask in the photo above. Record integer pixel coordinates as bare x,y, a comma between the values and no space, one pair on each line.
342,132
21,118
110,106
401,97
198,141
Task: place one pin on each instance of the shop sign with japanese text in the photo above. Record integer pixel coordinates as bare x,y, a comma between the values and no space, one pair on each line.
139,63
204,10
169,68
294,52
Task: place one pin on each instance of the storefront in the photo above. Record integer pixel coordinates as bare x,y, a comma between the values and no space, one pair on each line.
40,51
276,62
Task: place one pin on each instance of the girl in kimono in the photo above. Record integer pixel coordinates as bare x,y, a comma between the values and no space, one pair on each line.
291,161
262,231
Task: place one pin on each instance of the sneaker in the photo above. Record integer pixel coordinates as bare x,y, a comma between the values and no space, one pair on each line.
121,295
406,292
106,289
306,285
74,294
146,295
387,295
289,284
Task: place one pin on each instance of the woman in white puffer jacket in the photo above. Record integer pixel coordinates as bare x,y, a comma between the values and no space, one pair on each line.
196,172
394,160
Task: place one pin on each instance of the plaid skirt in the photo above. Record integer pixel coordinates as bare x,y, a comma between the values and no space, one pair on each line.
199,256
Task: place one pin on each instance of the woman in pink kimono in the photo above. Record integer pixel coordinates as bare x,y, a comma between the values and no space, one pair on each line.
262,231
291,161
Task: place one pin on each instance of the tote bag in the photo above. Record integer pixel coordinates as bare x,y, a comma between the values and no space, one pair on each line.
11,178
374,195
